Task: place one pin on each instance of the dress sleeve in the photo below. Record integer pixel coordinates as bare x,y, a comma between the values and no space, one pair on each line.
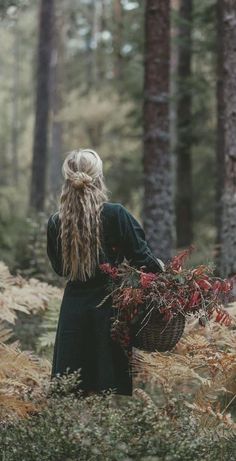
54,246
134,244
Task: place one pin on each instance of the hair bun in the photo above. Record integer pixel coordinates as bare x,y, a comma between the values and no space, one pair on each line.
80,180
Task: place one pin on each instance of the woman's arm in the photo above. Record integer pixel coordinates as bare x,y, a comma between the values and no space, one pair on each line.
134,245
54,245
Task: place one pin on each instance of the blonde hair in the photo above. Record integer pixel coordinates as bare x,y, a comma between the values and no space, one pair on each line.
82,196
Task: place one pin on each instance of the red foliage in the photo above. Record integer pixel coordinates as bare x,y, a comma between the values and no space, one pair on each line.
146,279
194,300
223,317
216,287
204,284
129,297
226,286
189,291
109,270
178,260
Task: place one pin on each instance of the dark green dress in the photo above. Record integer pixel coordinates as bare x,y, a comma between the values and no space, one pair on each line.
83,339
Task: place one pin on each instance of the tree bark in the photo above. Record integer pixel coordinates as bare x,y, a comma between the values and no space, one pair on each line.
118,32
226,146
91,45
158,196
56,102
5,177
184,193
15,104
40,146
174,57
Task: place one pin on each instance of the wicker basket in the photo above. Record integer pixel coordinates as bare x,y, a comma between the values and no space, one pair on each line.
158,334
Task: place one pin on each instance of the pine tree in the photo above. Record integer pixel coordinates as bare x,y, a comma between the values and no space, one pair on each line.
226,153
56,103
40,147
158,200
184,218
118,64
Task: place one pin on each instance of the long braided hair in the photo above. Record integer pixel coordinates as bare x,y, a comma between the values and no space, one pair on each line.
82,197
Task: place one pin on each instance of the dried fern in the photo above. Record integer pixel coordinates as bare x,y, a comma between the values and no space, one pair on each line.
5,334
18,294
202,367
21,373
21,376
49,326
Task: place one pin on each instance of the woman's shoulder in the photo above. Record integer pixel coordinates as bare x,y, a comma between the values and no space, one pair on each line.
113,207
114,211
53,219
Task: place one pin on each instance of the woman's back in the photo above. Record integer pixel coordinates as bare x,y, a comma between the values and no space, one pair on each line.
86,232
121,237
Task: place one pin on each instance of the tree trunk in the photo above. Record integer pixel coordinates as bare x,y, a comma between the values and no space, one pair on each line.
184,212
226,147
118,32
56,91
158,197
103,57
174,58
91,45
39,165
15,104
5,177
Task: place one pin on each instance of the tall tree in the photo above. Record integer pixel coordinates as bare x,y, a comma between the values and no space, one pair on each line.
5,179
174,52
56,103
40,147
226,146
118,37
15,100
158,197
92,43
184,214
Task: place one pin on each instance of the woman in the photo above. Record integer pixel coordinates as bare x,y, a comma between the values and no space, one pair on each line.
85,232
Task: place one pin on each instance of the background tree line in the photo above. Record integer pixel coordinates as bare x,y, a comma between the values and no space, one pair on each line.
151,86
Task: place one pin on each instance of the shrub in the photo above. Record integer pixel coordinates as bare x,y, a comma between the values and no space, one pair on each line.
102,427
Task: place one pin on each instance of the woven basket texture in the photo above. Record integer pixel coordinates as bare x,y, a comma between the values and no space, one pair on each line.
158,334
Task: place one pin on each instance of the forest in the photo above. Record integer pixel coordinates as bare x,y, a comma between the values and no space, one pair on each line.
151,86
